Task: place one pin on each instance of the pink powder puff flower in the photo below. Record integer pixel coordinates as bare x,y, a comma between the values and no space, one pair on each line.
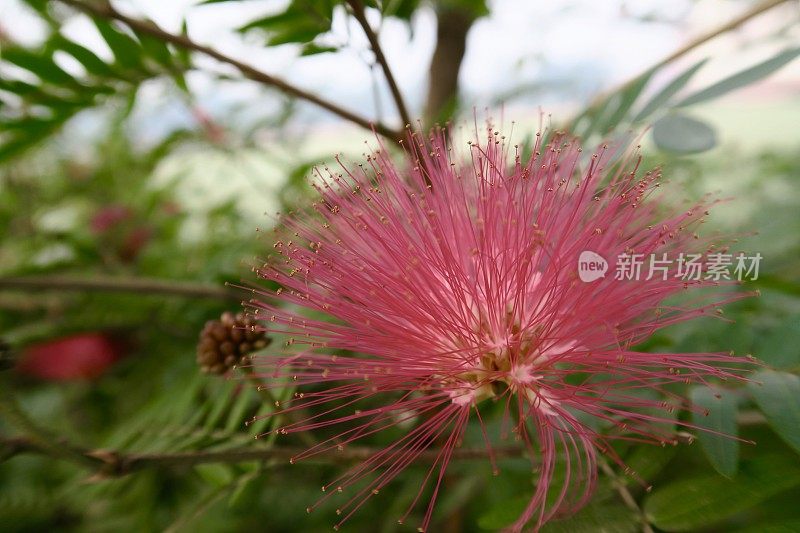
420,297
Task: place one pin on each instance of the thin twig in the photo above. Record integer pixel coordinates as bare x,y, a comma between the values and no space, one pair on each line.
360,14
694,43
118,284
106,11
112,463
38,437
626,496
730,25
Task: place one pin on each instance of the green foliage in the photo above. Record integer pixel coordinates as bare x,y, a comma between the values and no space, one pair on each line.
597,517
300,22
683,134
673,131
741,79
667,92
154,401
702,501
780,348
56,95
719,421
593,517
778,396
304,21
504,514
605,117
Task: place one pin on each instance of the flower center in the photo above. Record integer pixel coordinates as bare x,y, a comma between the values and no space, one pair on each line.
496,372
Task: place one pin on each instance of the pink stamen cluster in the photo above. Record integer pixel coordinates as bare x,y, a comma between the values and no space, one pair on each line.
421,296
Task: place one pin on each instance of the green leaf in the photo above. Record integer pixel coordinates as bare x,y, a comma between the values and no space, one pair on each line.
28,132
87,58
473,8
719,442
618,105
778,396
663,96
223,397
40,64
311,49
703,501
648,461
238,411
183,55
297,34
780,347
284,19
216,474
20,88
606,517
777,283
402,9
245,485
160,52
156,49
503,515
741,79
791,525
126,50
683,135
300,22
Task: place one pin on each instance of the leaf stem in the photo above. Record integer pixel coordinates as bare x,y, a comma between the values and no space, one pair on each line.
734,23
360,15
114,463
107,12
120,284
37,437
626,496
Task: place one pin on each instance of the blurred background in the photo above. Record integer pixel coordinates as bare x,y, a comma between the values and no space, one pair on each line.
142,143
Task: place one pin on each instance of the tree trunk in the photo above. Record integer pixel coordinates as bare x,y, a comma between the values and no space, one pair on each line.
451,42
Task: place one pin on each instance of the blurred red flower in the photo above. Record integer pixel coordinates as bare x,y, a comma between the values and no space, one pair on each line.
109,216
117,229
79,356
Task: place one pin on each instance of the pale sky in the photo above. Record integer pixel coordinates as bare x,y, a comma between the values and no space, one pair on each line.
574,47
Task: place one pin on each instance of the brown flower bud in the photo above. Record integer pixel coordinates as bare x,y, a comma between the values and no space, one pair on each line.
224,342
